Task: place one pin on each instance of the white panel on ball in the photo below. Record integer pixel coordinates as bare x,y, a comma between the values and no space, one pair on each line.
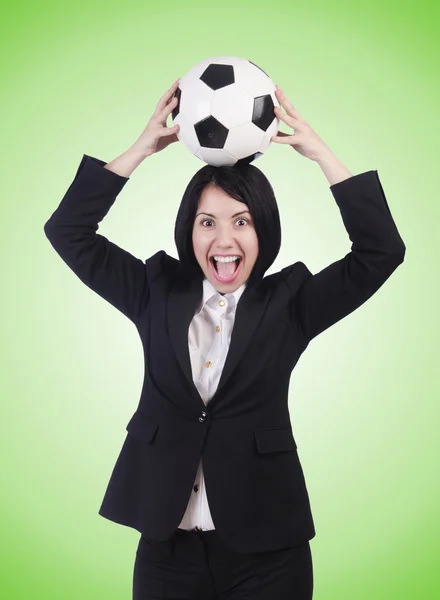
196,101
244,140
216,157
253,79
232,106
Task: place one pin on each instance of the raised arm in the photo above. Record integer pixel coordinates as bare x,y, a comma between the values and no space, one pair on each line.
113,273
110,271
321,300
377,249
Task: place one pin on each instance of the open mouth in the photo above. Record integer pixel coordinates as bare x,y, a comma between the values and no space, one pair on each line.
215,262
229,278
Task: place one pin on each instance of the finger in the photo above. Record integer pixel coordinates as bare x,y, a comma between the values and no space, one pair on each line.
169,130
284,99
166,100
286,103
163,114
285,139
166,97
288,119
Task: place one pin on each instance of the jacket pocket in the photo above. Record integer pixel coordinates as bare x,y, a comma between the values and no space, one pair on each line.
142,427
274,440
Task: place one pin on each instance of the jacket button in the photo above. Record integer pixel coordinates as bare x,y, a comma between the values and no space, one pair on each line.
203,416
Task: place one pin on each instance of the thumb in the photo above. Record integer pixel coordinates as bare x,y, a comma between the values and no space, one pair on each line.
284,138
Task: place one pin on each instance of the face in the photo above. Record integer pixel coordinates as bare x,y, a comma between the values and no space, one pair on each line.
224,226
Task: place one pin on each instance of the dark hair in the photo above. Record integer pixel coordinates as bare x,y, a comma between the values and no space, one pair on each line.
247,184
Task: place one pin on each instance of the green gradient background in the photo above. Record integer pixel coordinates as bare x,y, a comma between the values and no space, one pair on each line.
364,398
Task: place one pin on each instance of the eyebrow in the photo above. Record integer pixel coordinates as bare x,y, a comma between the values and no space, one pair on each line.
210,215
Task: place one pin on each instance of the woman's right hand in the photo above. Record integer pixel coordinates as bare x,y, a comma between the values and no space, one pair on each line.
156,135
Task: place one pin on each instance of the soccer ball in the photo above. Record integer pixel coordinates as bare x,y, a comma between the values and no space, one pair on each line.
225,110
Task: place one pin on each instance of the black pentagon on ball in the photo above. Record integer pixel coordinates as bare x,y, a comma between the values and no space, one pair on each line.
258,67
263,114
248,159
176,109
218,76
211,133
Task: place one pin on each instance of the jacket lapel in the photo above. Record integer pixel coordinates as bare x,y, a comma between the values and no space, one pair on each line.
181,306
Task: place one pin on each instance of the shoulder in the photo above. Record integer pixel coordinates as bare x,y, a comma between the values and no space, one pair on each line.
293,276
159,263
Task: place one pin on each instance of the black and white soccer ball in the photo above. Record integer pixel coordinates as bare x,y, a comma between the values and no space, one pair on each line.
225,110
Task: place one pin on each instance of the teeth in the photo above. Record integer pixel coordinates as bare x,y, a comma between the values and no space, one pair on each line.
225,259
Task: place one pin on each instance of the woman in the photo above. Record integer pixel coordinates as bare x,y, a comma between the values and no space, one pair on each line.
220,342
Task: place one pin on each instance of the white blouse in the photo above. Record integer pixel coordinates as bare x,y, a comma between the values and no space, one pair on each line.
209,336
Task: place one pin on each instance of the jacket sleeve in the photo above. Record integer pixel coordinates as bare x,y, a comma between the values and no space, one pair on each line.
113,273
377,249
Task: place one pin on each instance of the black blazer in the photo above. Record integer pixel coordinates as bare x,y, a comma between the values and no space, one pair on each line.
254,480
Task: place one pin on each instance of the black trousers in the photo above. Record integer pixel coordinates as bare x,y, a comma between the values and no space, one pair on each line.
196,565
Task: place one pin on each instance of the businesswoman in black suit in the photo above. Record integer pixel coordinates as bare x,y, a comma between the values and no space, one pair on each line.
220,342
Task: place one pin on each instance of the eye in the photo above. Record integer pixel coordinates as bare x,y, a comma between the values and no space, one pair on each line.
210,221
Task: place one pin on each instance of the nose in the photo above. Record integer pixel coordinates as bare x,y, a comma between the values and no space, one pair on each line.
225,238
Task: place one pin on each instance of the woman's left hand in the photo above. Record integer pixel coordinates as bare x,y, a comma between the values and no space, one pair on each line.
304,140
